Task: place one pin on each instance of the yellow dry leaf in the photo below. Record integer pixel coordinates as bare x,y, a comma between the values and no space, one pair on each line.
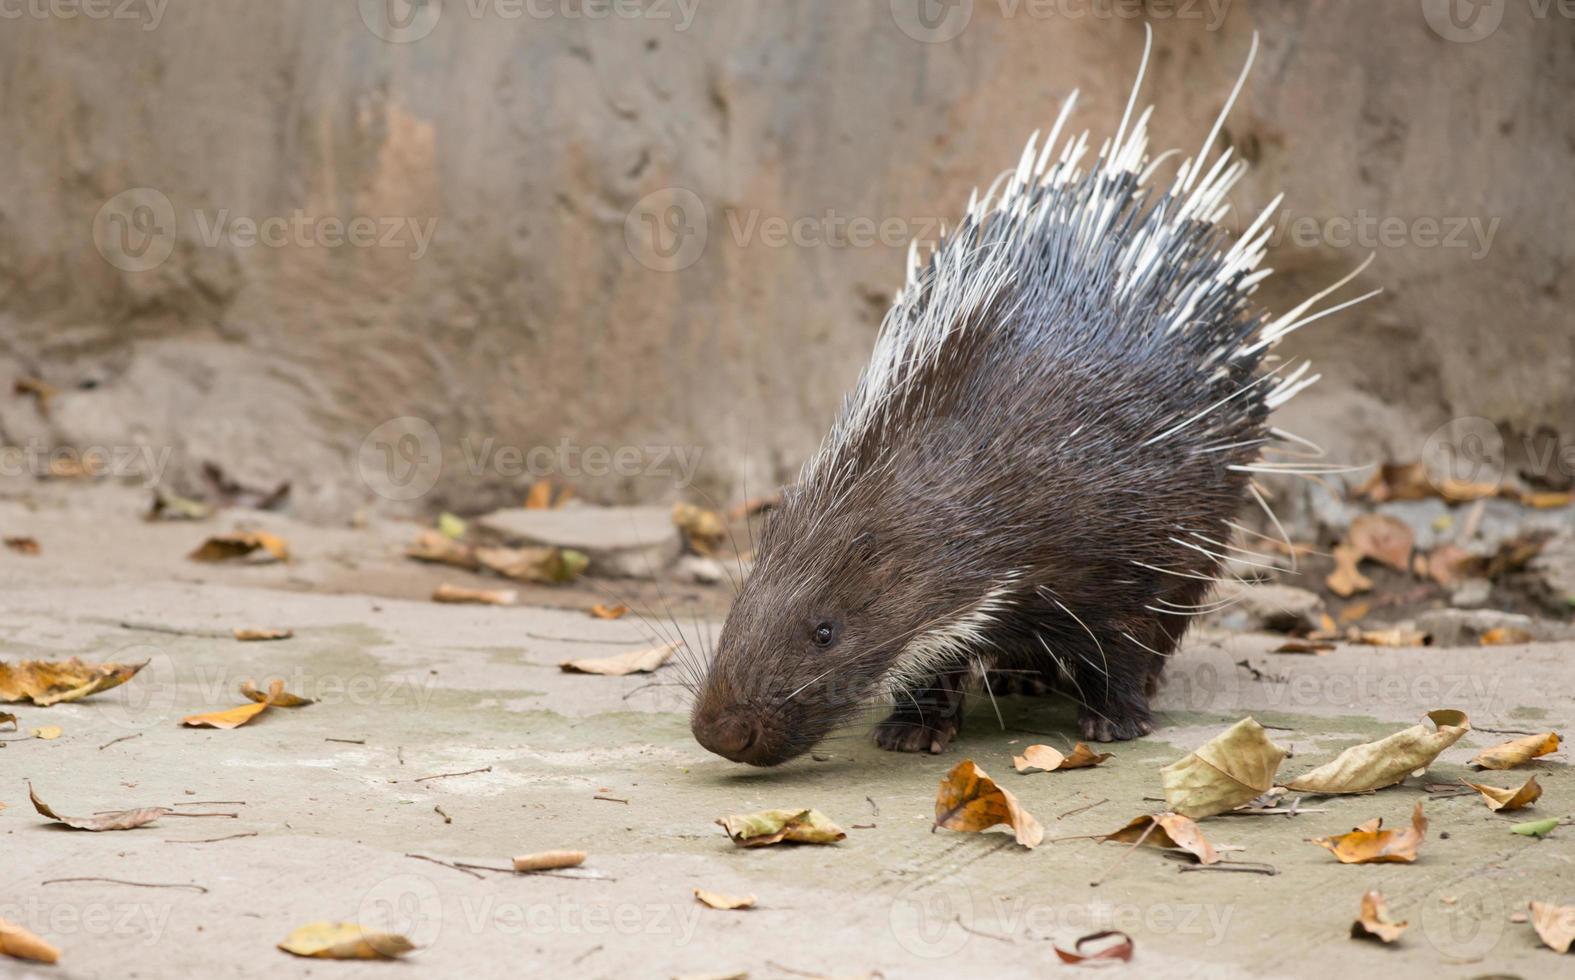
250,634
539,497
1355,612
1395,636
1383,538
20,944
1043,758
1371,844
544,565
1374,921
603,610
48,732
777,826
969,800
228,718
1547,499
1508,799
1503,636
633,662
1374,765
1232,768
277,696
47,682
1555,925
118,820
483,597
1517,752
345,941
703,528
549,860
1167,831
1346,580
239,544
725,902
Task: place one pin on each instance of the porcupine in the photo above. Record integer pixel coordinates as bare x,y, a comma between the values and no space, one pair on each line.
1036,476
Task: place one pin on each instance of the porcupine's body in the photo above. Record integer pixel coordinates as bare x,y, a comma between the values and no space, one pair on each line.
1033,481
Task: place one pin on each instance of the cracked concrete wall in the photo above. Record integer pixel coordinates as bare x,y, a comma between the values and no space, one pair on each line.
585,231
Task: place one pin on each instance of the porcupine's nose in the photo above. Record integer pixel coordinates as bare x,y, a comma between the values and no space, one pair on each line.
729,736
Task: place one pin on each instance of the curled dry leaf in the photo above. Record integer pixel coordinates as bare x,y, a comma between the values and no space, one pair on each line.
604,610
483,597
23,546
1508,799
1231,769
239,544
252,634
969,800
46,682
227,718
119,820
345,941
18,943
7,718
1395,636
703,528
1314,647
1382,538
547,566
439,549
1374,765
1119,950
1043,758
1555,925
1535,828
47,733
549,860
725,902
1167,831
1347,580
1504,636
1517,752
277,696
1374,921
1371,844
776,826
633,662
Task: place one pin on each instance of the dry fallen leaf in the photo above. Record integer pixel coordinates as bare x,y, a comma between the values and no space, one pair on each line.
47,733
542,496
547,566
239,544
776,826
7,718
1374,921
440,549
482,597
46,682
549,860
1516,752
1374,765
1121,950
633,662
22,546
1384,539
1043,758
1555,925
168,506
119,820
345,941
725,902
969,800
1444,563
1346,580
277,696
226,719
1231,769
1546,499
1503,636
1508,799
703,528
1167,831
1314,647
604,611
1370,844
1395,636
1397,481
250,634
20,944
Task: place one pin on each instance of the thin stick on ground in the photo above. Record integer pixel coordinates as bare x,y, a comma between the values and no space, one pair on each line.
446,864
212,840
448,775
1122,856
121,881
123,738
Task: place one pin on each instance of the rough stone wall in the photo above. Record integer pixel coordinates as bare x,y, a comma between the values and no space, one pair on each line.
681,228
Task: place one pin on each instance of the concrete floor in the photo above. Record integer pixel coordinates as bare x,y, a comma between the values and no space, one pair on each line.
417,689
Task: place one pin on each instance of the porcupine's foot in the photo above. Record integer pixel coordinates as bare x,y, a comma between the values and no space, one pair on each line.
925,720
1115,720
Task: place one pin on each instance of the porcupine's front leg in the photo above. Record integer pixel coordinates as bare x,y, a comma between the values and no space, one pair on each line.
925,719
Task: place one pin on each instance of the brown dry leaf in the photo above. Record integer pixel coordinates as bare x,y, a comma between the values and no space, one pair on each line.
1355,611
969,800
776,826
239,544
1546,499
1120,951
1371,844
544,565
440,549
48,733
47,682
251,634
1445,562
1374,921
1383,538
1315,647
345,941
226,719
42,391
1167,831
1555,925
1508,799
1397,481
549,860
726,903
1374,765
23,546
74,467
1231,769
541,496
1517,752
277,696
604,611
20,944
485,597
1464,491
1503,636
1346,580
119,820
633,662
1042,758
8,717
703,528
1395,636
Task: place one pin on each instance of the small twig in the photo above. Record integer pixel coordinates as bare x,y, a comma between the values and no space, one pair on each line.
213,840
446,775
399,753
527,874
232,816
980,932
577,959
127,624
1246,867
1503,731
347,741
1081,809
575,639
118,881
610,799
212,803
439,811
1122,856
461,870
873,807
123,738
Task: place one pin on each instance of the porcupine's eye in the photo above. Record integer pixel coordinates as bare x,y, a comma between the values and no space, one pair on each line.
825,634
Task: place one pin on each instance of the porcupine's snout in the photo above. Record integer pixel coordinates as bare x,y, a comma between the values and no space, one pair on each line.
729,735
